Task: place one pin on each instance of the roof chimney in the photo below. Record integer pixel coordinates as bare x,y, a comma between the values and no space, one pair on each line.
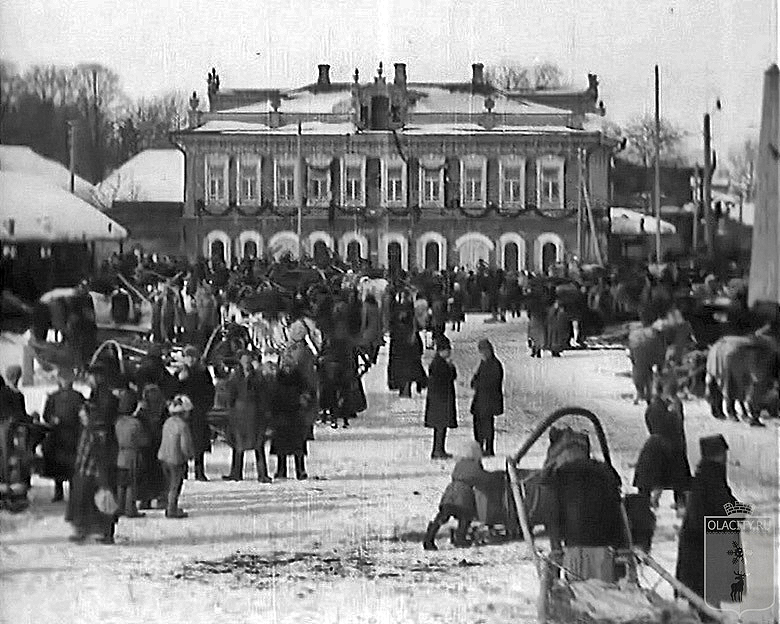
400,74
477,74
323,79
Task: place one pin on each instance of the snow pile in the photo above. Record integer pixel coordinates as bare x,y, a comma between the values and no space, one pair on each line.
22,159
32,209
154,175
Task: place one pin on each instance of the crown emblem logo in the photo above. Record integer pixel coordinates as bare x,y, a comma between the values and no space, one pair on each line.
737,508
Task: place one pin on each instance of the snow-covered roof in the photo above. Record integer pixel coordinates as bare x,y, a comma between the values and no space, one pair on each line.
440,100
303,101
154,175
244,127
33,209
627,221
22,159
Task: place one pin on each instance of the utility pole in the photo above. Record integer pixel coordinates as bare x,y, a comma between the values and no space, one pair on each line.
579,206
706,189
96,121
72,156
300,193
657,178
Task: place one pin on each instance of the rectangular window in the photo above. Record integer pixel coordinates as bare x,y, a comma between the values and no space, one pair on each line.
550,185
472,185
353,184
215,183
247,182
285,183
395,184
513,190
431,185
318,185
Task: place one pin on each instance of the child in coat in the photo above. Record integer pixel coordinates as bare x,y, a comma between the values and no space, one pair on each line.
458,499
176,449
131,439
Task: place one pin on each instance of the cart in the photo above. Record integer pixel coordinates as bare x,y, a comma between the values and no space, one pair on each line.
590,584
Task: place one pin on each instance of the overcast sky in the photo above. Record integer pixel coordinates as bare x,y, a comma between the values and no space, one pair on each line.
707,49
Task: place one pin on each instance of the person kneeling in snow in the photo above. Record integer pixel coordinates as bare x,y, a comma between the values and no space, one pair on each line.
458,498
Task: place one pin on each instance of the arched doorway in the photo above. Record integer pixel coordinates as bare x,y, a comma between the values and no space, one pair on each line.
471,252
394,257
217,250
549,256
353,251
321,253
511,256
432,256
250,250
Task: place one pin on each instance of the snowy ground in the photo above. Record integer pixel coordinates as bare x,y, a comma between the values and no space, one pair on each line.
345,545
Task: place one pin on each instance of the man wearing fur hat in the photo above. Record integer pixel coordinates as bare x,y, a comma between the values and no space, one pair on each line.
195,382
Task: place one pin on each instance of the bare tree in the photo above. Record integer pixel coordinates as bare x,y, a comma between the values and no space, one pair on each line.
10,87
640,136
742,169
545,75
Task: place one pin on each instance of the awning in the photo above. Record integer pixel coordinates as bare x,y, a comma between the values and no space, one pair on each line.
633,223
32,209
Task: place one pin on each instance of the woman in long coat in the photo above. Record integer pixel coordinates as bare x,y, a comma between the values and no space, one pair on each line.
488,399
558,329
61,413
196,383
92,471
371,328
295,404
151,479
248,395
440,408
405,363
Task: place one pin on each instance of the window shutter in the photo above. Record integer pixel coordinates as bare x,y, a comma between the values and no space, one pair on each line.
336,183
452,181
493,181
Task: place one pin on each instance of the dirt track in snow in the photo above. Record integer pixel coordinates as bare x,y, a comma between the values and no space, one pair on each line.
345,545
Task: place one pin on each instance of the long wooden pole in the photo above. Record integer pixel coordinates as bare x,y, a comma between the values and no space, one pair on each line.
706,188
691,596
72,156
657,172
300,193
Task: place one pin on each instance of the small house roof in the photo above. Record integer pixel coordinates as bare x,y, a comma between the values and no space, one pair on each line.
34,209
154,175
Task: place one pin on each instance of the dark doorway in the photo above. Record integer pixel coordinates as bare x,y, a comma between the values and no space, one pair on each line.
511,257
353,251
217,251
250,250
549,256
432,256
394,257
321,253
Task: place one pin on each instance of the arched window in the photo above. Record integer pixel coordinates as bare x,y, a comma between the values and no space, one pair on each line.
511,255
217,250
353,251
432,256
549,256
394,257
250,250
321,253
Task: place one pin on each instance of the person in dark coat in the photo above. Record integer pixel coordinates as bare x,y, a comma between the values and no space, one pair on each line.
558,329
92,471
456,307
537,324
440,407
405,362
458,501
438,316
709,493
663,462
196,383
248,395
61,413
152,411
488,399
371,334
103,408
131,439
292,397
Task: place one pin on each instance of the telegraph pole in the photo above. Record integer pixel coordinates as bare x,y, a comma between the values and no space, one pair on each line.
72,156
657,177
300,193
706,188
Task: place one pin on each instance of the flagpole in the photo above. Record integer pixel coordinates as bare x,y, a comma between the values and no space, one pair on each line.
657,177
300,194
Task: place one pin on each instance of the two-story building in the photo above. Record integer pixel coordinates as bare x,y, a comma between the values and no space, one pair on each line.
406,174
